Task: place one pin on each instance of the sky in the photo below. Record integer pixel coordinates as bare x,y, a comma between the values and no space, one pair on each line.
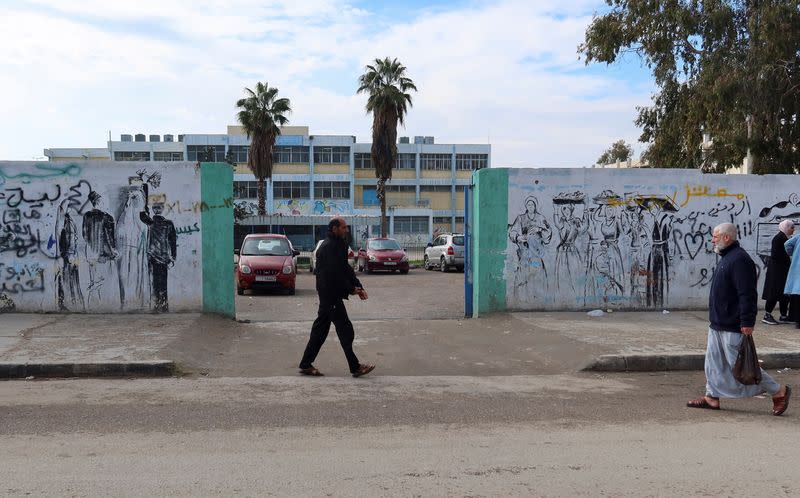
504,72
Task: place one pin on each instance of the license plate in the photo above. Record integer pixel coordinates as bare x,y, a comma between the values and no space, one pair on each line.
265,278
389,263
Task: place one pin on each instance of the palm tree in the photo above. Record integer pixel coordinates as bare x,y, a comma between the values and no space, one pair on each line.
387,85
262,114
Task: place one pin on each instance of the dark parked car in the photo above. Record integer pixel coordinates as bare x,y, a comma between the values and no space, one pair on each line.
266,261
382,254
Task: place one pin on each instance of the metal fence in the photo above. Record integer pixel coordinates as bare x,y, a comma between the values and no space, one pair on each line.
415,252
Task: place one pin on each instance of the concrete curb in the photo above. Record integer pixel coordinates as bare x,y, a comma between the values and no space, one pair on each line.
155,368
665,362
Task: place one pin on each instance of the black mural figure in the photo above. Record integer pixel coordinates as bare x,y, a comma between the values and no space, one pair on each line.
162,249
68,284
99,234
660,208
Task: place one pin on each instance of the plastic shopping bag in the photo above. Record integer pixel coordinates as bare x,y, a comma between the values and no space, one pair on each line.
746,370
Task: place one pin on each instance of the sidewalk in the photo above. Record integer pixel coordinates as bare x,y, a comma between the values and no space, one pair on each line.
501,344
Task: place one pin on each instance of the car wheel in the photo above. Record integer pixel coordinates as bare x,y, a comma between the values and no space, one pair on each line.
290,291
427,262
310,268
404,272
240,291
442,265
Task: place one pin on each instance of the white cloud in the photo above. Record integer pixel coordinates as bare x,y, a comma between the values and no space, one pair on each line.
507,70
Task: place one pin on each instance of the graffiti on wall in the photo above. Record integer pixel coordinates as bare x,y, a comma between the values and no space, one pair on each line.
307,207
81,238
637,242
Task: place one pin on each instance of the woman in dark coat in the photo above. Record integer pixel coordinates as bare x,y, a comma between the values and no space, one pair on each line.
777,270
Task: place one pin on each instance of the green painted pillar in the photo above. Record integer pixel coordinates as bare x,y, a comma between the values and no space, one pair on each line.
490,230
216,191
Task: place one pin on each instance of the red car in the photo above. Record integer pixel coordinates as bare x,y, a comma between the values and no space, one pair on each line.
266,261
382,254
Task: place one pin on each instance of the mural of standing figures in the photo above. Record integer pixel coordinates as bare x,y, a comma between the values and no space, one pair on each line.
635,227
132,264
98,233
69,296
603,225
658,263
162,249
611,228
569,265
530,232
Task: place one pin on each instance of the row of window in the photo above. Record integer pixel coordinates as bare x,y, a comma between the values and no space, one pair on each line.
294,190
325,190
363,160
322,155
419,224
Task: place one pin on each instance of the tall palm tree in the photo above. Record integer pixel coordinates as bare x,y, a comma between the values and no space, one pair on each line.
262,114
386,84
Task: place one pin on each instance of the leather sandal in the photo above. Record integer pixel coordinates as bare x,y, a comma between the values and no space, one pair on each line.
703,403
363,369
781,403
312,372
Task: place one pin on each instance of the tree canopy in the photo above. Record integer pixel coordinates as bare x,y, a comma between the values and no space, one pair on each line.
619,151
389,89
726,68
262,114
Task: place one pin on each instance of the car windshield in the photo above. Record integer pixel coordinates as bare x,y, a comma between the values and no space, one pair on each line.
458,240
384,245
266,247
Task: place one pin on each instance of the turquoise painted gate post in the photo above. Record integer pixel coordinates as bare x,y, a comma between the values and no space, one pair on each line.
216,191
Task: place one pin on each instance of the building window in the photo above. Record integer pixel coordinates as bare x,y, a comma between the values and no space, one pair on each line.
471,161
239,153
198,152
459,220
363,160
332,155
441,220
410,224
406,161
167,156
245,190
434,188
401,189
291,190
437,162
286,154
331,190
131,156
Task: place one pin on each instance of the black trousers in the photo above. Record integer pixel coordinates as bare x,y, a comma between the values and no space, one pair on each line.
159,298
331,310
794,308
784,305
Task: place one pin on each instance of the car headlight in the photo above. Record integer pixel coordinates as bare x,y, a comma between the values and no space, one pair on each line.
245,269
373,258
404,258
288,269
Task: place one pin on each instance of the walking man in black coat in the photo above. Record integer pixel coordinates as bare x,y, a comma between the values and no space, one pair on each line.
336,280
732,309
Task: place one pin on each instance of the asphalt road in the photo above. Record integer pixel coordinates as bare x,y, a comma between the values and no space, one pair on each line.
427,295
548,435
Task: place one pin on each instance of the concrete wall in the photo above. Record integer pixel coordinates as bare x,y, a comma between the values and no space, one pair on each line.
106,236
566,239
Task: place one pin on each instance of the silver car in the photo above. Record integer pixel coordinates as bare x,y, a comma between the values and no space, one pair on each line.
351,257
446,251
